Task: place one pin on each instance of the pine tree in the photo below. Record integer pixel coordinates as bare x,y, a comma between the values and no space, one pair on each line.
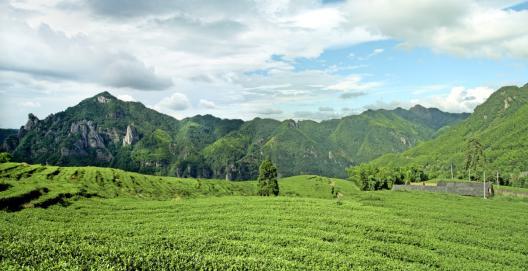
267,180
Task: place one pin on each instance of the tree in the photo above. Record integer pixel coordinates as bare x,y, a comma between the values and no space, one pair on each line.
474,156
5,157
267,179
369,178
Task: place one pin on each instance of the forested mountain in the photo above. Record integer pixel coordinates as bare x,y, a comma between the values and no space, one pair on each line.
500,125
4,133
105,131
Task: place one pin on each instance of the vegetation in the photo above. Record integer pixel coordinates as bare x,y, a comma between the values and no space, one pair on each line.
372,231
267,179
5,133
26,186
186,224
77,218
474,157
5,157
499,126
372,178
93,132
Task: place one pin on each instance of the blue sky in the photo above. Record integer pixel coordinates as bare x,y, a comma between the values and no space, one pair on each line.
275,59
412,74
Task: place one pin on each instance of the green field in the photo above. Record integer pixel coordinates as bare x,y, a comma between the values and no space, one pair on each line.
110,219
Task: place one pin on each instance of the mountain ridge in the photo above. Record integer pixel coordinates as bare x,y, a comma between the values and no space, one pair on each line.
500,124
105,131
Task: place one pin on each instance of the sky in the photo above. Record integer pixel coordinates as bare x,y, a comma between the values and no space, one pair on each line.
282,59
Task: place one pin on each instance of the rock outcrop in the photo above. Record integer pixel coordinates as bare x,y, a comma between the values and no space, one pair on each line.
88,132
131,136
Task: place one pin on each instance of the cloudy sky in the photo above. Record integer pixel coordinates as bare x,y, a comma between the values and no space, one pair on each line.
271,58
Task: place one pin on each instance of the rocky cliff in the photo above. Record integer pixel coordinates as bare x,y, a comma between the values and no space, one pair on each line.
105,131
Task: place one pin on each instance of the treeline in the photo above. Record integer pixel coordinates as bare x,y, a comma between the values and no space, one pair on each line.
370,178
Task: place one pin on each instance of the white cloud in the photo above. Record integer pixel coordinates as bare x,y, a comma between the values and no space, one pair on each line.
43,51
353,82
269,111
30,104
126,98
175,102
207,104
317,115
327,18
377,51
221,51
459,99
467,28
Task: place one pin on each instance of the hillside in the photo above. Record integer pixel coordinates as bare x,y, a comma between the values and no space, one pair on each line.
500,125
104,131
382,230
23,186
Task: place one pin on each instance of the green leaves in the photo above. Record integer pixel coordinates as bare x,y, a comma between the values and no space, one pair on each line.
370,177
380,230
5,157
267,180
494,138
91,133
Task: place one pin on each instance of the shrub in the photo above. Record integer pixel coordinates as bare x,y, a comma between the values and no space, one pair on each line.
5,157
376,178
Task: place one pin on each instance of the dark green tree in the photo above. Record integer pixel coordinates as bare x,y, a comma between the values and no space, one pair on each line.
474,156
267,179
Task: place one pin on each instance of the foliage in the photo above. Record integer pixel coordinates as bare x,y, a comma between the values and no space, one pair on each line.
371,178
474,156
520,181
380,230
5,133
267,179
5,157
210,147
167,223
25,186
500,124
414,174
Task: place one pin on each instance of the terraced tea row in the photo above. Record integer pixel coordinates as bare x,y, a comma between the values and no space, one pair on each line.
379,230
23,185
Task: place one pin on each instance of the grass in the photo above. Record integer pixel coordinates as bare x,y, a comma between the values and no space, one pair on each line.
57,183
217,226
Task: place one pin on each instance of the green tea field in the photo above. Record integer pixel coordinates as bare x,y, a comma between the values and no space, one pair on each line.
106,219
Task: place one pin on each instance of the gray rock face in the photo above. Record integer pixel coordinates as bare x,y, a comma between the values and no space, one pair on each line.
31,123
293,124
88,132
89,138
131,136
102,99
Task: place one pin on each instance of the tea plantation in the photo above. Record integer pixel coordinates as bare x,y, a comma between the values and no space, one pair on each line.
105,219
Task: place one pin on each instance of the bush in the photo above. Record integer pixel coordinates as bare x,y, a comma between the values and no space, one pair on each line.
521,182
5,157
371,178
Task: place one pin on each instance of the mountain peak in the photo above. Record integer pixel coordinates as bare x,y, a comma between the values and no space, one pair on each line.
104,97
418,108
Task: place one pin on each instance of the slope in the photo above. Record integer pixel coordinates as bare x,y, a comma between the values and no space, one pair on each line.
23,186
104,131
501,126
383,230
